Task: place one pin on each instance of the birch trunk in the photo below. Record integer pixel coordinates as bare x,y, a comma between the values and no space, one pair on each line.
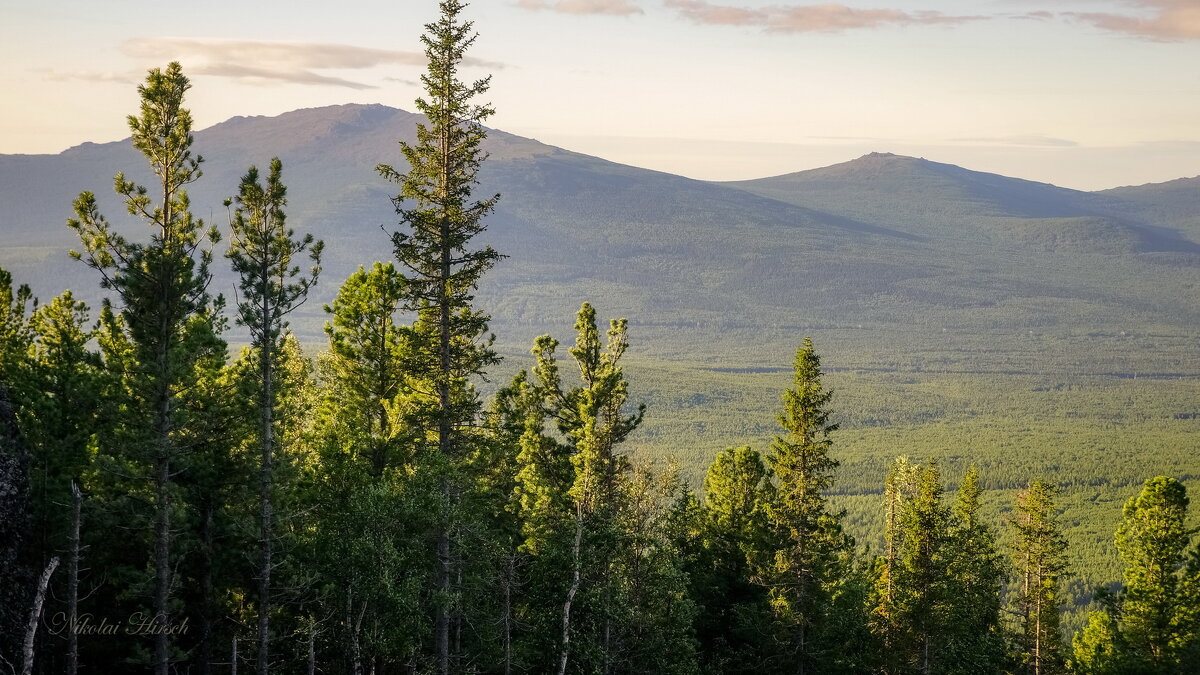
35,616
566,620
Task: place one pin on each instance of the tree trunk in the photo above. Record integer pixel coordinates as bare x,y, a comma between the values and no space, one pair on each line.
206,585
576,562
162,530
1037,627
506,617
458,616
442,615
73,582
233,657
355,629
312,649
35,616
265,526
162,567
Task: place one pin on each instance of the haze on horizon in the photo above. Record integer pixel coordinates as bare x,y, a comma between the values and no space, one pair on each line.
1087,94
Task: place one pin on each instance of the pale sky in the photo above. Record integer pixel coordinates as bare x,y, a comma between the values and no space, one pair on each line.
1086,94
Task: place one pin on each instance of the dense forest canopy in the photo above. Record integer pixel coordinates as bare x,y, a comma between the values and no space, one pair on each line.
393,499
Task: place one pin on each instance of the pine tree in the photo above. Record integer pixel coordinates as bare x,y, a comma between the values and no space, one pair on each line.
812,553
922,568
162,287
1099,648
372,503
439,220
1152,540
16,333
1040,558
60,422
593,421
975,574
363,371
262,250
16,526
571,489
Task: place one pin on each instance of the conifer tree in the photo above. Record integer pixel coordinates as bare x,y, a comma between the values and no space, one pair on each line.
16,526
913,600
363,371
371,506
439,219
262,250
594,423
1100,649
1040,558
899,487
572,488
60,422
16,333
165,306
975,574
923,568
1156,623
812,553
733,533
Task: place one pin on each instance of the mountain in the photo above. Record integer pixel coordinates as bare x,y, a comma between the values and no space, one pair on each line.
1175,203
935,199
896,255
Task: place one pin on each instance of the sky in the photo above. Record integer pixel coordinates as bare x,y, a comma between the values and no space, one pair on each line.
1087,94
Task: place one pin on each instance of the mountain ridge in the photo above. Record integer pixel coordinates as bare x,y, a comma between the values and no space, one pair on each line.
890,242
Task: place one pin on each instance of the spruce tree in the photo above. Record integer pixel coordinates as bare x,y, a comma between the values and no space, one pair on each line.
913,601
439,219
1041,562
162,286
262,250
811,552
922,577
733,534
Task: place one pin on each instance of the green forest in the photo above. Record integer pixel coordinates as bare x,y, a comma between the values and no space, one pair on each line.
186,487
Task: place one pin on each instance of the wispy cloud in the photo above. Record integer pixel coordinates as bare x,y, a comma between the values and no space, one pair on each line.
279,62
614,7
823,18
1161,20
254,74
52,75
1028,141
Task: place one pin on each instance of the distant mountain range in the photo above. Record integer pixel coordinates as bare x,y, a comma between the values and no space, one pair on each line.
899,249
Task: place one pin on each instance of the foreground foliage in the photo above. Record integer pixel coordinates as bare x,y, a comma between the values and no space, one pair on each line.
373,511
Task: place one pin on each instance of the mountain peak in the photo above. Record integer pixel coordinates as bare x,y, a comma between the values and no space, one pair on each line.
873,165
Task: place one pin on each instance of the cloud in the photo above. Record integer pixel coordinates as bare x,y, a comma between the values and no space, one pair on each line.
261,75
280,62
1029,141
1164,20
612,7
823,18
90,76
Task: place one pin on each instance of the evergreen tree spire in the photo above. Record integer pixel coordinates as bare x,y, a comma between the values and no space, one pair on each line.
439,219
811,547
1040,557
162,285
